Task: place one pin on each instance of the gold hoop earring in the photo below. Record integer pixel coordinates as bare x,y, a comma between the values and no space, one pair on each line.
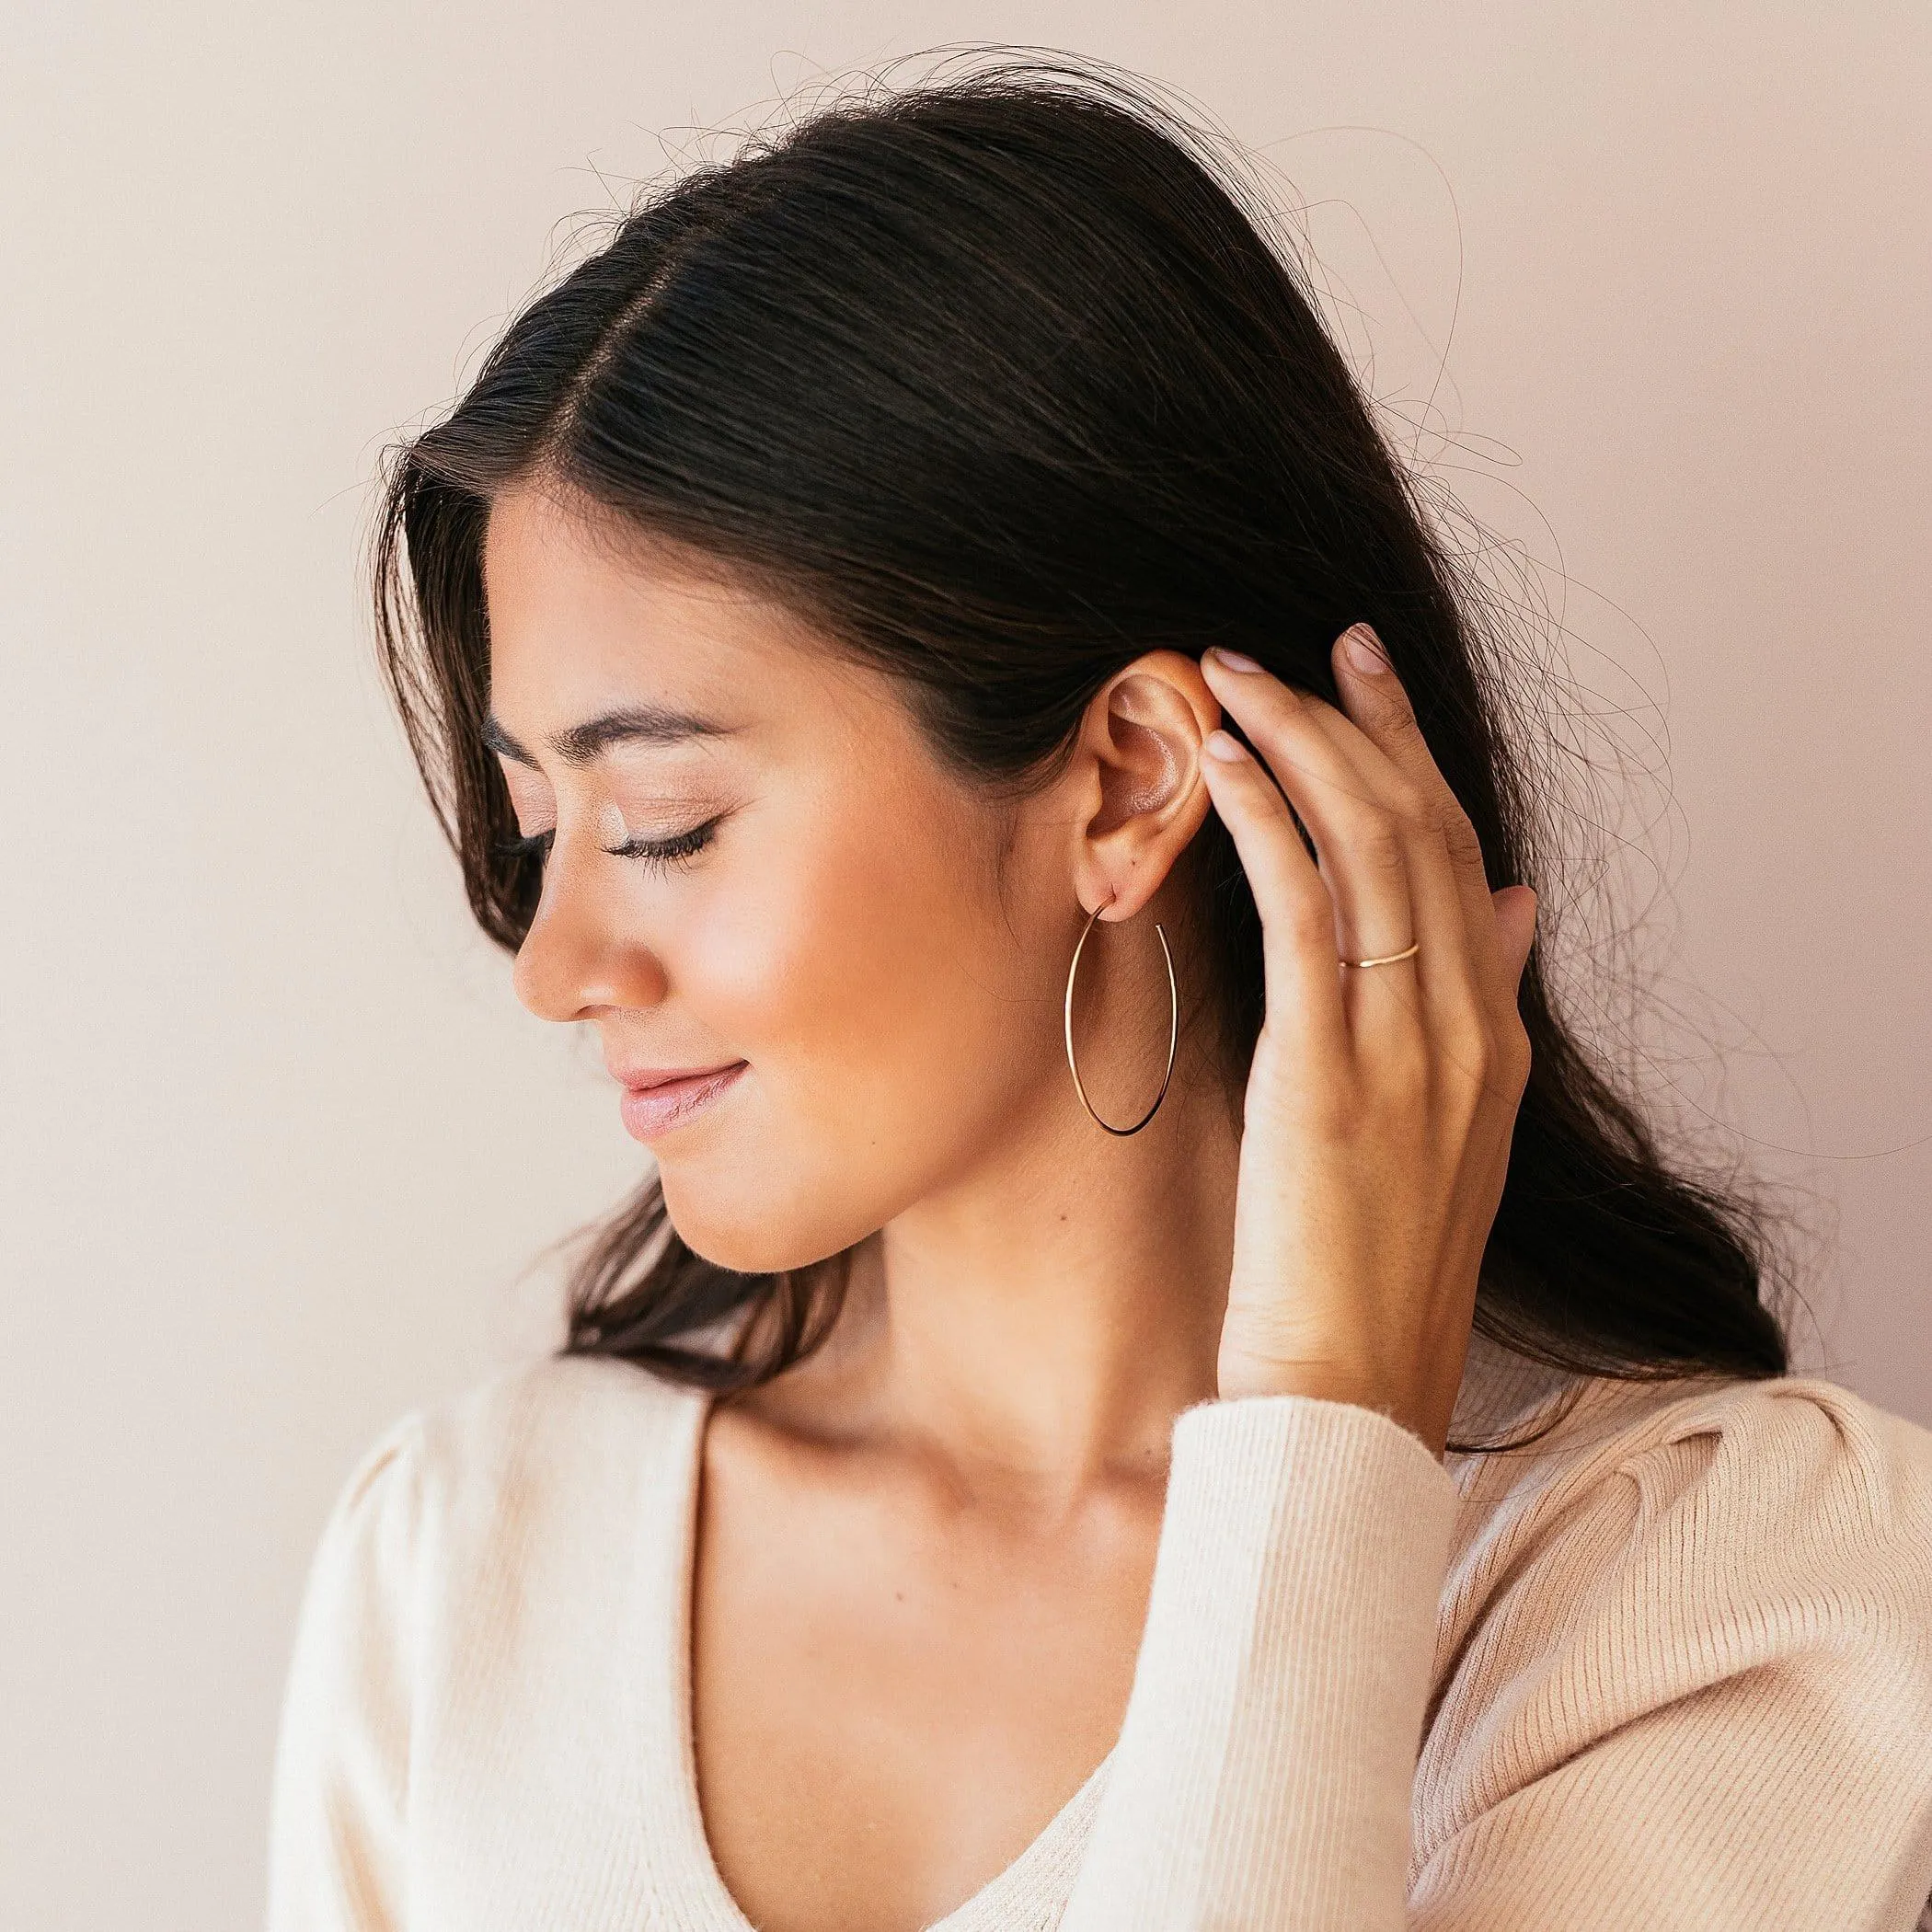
1173,1027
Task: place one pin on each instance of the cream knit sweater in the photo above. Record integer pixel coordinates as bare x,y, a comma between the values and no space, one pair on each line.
1672,1668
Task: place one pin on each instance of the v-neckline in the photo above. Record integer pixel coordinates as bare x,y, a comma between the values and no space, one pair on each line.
1052,1855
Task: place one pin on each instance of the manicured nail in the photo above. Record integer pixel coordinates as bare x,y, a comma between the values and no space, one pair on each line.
1229,750
1232,659
1364,650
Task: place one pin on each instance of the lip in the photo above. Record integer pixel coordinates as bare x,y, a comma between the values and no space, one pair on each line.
660,1103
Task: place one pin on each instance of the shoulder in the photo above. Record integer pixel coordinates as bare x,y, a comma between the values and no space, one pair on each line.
1796,1454
485,1558
537,1454
565,1418
1796,1461
1699,1534
1715,1588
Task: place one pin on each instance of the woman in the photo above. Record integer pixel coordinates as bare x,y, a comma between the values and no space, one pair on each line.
1153,1384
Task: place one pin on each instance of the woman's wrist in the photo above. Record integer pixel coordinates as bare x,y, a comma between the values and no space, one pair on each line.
1242,1376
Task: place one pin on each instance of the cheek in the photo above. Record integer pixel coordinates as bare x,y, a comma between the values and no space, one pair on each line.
889,1013
839,969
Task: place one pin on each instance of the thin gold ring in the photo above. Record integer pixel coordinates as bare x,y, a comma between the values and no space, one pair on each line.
1387,959
1173,1029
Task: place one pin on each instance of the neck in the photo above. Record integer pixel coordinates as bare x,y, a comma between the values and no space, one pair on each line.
1038,1325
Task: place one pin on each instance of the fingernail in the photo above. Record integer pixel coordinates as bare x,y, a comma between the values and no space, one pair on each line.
1224,747
1232,659
1364,650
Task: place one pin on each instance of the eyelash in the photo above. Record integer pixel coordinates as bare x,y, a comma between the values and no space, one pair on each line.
661,855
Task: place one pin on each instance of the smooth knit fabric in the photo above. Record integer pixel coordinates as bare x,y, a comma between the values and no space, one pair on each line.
1668,1668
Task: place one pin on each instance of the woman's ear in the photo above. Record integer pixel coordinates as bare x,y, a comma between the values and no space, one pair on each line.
1139,793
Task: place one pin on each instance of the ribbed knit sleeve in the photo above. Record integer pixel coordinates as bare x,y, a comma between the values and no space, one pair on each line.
1681,1682
1263,1774
1695,1690
338,1839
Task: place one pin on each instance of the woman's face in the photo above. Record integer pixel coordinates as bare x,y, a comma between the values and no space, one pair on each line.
831,921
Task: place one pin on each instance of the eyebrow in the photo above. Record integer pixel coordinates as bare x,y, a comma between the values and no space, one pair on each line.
579,745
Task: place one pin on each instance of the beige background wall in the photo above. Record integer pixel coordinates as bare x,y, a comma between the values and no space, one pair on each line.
280,1147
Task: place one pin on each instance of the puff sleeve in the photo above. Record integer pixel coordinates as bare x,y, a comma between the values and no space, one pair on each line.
338,1808
1681,1682
1699,1694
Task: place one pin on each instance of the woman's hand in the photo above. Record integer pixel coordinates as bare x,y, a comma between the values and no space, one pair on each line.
1382,1100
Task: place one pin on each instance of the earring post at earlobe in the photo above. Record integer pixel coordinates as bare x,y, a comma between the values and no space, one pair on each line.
1173,1026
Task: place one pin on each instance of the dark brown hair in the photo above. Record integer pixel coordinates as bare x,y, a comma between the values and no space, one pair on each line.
1001,381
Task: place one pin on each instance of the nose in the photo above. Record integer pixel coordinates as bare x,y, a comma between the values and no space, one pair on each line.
578,956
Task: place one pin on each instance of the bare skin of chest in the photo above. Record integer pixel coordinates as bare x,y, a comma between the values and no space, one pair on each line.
896,1686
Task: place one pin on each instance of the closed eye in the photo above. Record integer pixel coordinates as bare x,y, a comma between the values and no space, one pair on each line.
661,853
668,852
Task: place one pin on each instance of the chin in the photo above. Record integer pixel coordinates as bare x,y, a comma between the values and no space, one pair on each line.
764,1233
